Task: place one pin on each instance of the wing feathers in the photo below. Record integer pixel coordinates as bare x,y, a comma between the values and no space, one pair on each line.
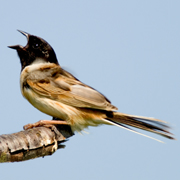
62,86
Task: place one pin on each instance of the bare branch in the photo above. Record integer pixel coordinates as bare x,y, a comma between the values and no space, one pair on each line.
32,143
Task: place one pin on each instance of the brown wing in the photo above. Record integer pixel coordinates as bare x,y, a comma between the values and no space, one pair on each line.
65,88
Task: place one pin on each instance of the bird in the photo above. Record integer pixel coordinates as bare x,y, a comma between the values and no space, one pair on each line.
56,92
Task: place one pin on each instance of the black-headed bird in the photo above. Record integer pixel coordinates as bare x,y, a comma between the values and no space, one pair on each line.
56,92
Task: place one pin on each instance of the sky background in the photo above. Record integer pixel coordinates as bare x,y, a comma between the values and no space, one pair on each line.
129,51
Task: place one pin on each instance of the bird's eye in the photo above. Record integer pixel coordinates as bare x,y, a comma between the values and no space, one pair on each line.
36,45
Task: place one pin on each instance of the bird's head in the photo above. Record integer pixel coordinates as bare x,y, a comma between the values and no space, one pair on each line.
36,49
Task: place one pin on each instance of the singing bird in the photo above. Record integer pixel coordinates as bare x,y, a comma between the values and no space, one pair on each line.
56,92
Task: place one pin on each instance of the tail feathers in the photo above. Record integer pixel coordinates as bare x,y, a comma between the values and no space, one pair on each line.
148,124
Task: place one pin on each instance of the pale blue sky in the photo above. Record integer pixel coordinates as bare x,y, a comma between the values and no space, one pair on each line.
129,51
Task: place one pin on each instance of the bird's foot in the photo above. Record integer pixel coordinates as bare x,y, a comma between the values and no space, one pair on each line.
44,123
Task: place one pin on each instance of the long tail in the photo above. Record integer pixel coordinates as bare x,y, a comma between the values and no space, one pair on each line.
148,124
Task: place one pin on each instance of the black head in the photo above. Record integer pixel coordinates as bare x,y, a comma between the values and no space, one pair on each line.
36,48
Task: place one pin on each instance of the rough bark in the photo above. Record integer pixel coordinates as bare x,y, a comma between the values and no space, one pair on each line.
32,143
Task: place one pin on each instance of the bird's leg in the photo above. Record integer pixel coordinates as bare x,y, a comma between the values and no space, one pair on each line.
46,123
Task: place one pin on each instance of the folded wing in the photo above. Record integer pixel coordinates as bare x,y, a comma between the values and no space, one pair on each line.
63,87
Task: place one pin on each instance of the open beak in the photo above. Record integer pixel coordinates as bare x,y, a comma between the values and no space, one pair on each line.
18,46
15,47
24,33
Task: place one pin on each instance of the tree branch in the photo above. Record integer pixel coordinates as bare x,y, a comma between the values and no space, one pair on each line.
33,143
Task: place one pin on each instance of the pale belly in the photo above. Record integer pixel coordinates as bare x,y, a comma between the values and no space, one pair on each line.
77,119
